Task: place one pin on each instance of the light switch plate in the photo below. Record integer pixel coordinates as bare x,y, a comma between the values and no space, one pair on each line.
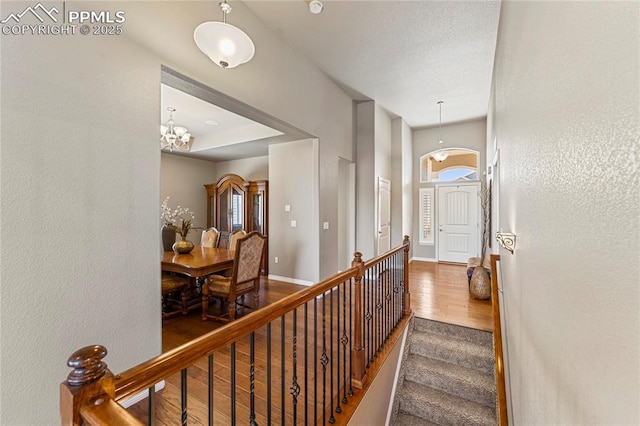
293,224
287,207
325,225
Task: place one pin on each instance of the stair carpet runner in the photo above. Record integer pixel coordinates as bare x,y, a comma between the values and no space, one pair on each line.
447,377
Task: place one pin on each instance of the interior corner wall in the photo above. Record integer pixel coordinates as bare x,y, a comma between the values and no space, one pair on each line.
566,114
297,259
401,181
256,168
373,161
468,134
383,167
365,178
79,207
175,170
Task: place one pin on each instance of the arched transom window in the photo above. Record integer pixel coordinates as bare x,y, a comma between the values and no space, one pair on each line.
459,165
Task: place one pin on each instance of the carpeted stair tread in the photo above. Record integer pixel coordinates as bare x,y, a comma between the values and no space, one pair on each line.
460,352
455,380
405,419
455,331
442,408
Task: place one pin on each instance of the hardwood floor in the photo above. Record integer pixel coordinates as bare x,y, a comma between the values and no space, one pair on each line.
438,292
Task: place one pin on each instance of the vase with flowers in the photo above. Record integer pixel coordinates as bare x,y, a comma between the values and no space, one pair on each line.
179,221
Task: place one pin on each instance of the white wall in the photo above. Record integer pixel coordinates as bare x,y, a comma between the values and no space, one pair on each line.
297,260
469,134
256,168
79,207
566,116
182,179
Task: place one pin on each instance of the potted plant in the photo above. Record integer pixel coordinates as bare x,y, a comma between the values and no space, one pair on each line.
178,221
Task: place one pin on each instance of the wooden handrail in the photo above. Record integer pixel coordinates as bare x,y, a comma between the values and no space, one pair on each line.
150,372
497,344
92,391
372,262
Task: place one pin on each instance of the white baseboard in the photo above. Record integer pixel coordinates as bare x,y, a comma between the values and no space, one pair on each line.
140,396
290,280
423,259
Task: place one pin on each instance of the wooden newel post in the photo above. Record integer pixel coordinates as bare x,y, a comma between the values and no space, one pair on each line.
406,299
90,383
357,353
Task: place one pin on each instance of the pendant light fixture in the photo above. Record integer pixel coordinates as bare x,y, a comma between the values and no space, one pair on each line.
440,155
172,136
227,46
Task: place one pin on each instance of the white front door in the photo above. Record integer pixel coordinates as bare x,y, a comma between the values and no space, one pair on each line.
384,216
458,236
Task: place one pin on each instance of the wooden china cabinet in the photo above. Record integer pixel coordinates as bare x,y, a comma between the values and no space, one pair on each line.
234,204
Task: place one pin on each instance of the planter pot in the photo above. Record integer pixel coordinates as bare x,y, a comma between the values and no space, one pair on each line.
480,284
168,238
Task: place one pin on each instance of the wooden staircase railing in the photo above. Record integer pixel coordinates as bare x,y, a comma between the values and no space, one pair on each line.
329,335
497,344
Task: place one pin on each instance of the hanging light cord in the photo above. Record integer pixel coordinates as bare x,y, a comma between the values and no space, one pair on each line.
226,8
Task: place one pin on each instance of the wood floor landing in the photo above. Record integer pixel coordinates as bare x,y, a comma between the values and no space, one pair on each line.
438,292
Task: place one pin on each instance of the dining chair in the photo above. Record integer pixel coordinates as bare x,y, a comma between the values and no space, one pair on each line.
233,238
170,286
210,238
244,279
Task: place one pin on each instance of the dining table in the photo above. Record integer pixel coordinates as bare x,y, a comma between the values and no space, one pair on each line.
200,262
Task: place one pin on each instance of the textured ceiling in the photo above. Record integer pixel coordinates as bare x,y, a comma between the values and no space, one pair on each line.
405,55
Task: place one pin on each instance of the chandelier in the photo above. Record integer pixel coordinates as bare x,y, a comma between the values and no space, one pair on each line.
174,136
440,155
227,46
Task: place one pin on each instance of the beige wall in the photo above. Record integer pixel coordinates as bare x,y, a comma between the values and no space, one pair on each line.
182,179
297,259
94,195
79,212
373,146
401,181
256,168
470,135
566,95
374,407
277,81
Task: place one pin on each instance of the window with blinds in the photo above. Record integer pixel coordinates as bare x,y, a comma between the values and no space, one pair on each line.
426,216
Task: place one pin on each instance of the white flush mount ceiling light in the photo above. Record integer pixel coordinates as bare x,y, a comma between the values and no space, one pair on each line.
224,44
172,136
315,7
440,155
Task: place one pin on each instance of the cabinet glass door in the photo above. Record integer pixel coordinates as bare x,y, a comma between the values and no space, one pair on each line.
223,213
257,213
237,210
